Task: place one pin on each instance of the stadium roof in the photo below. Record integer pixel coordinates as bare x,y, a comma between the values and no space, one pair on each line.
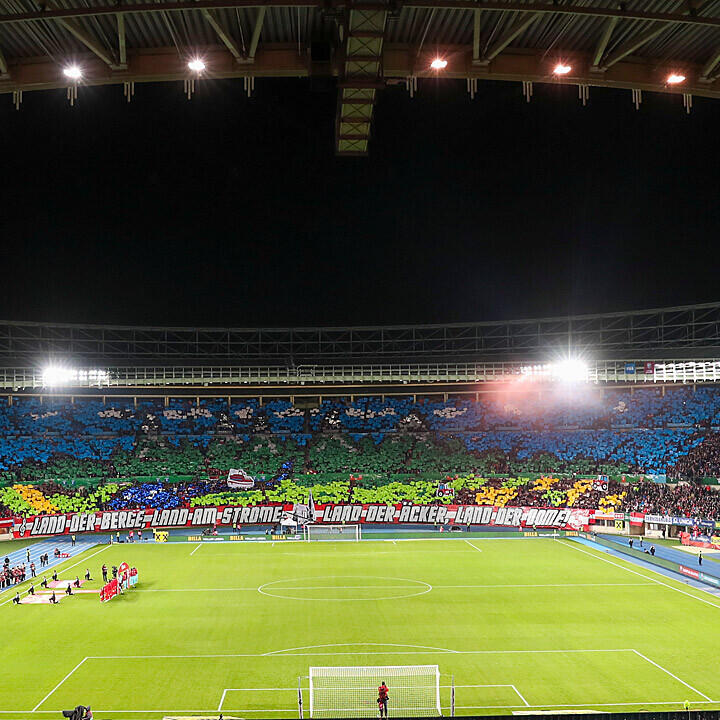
686,331
633,44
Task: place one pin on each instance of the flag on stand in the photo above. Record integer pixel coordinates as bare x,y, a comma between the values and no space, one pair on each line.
239,479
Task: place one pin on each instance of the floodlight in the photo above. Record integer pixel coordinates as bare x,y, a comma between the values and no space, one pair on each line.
196,65
73,72
675,78
561,69
54,375
570,370
438,64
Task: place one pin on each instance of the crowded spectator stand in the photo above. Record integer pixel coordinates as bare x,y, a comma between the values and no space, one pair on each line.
59,457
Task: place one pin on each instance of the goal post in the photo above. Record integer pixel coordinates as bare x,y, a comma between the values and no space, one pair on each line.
352,692
351,533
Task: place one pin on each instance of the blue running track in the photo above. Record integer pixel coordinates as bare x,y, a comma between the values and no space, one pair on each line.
64,544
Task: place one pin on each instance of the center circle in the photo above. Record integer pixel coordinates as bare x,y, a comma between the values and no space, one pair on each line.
344,588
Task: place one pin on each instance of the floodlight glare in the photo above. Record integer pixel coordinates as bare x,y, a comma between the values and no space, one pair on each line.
56,375
196,65
73,72
561,69
438,64
53,375
675,78
570,370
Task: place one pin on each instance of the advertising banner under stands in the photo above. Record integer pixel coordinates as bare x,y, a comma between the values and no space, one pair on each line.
675,520
271,514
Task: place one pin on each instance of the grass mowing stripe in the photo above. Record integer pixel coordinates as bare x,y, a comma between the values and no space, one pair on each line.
660,667
635,572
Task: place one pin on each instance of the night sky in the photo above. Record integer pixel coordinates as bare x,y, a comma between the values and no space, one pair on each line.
228,211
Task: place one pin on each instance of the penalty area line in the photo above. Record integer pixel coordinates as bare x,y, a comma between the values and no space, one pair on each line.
197,547
59,684
660,667
519,694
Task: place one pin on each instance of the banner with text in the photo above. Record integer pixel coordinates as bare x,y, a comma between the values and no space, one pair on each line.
232,516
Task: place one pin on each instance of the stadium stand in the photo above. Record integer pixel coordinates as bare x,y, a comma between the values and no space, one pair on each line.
57,456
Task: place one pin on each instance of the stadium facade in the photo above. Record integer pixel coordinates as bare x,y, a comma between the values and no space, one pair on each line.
668,345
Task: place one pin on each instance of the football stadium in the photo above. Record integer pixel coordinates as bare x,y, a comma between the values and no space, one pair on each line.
359,359
498,518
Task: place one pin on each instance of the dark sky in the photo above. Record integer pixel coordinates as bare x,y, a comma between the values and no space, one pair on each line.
229,211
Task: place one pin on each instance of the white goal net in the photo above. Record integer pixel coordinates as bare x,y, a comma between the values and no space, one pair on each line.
352,692
332,532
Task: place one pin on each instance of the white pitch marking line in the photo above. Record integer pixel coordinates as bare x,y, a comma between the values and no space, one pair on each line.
294,689
660,667
334,645
519,694
287,653
59,684
222,699
473,546
405,587
475,686
70,567
600,704
634,572
265,710
197,547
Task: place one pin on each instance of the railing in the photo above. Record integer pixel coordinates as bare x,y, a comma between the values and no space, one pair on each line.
599,373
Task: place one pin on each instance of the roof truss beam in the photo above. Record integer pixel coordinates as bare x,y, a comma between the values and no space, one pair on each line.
122,46
631,46
88,41
706,74
257,29
362,71
3,64
602,44
223,34
516,29
488,5
476,35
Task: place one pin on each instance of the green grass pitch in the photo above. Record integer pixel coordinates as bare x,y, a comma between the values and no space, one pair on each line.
521,624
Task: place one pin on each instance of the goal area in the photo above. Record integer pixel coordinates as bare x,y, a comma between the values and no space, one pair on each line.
351,533
352,692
